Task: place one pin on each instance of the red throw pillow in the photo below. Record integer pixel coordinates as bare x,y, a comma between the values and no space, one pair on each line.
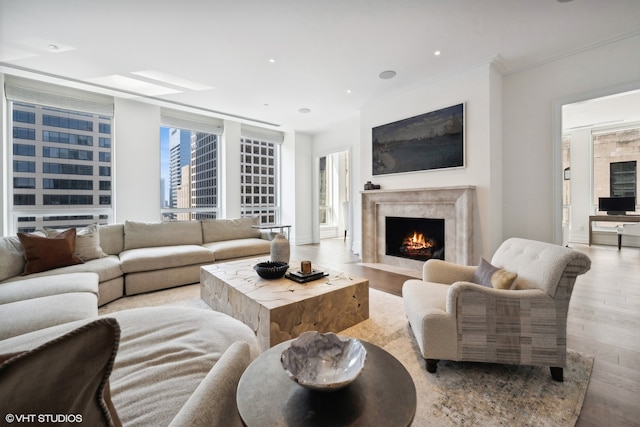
43,253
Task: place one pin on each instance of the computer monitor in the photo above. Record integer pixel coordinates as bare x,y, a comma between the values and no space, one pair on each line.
617,205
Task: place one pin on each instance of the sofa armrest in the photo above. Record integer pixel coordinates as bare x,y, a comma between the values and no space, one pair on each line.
213,403
439,271
508,326
477,299
471,294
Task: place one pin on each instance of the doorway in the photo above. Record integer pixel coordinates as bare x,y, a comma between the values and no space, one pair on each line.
598,135
333,188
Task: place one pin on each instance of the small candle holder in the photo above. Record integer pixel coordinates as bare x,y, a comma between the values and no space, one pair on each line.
305,267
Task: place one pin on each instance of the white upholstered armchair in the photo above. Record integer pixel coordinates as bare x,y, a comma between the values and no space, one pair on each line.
455,319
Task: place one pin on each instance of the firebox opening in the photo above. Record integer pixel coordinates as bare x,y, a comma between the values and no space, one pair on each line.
415,238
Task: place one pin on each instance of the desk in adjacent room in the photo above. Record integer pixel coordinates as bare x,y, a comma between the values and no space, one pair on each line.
610,218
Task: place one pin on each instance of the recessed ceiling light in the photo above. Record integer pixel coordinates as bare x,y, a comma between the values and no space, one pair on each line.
50,46
389,74
437,53
348,90
272,60
304,110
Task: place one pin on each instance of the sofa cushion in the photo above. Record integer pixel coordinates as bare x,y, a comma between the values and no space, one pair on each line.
152,234
36,287
238,248
154,376
44,253
33,314
149,281
216,230
106,268
87,241
11,257
158,258
112,238
67,376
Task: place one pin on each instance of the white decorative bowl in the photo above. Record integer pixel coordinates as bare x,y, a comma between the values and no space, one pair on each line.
324,362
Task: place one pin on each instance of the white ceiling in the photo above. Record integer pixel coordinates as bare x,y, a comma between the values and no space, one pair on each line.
321,49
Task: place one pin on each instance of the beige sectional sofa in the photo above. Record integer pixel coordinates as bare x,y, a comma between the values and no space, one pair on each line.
148,256
174,365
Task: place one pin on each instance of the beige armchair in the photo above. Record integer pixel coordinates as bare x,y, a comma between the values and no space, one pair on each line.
455,319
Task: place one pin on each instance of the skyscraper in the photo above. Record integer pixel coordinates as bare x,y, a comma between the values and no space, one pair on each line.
61,164
204,172
179,156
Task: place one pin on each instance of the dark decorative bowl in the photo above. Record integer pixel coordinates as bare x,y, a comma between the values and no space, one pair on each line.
271,269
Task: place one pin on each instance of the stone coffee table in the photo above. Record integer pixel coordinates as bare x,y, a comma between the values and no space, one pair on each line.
281,309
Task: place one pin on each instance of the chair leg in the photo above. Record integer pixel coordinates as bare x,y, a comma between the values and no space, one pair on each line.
557,374
432,365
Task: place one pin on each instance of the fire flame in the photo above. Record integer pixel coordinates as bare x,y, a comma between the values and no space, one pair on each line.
416,241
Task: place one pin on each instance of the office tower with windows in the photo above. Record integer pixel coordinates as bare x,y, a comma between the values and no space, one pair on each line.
61,167
204,173
179,156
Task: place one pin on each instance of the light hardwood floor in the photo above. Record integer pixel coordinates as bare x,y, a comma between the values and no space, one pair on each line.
603,321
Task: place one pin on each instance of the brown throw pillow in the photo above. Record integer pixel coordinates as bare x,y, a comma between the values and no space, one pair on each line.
66,377
44,253
493,277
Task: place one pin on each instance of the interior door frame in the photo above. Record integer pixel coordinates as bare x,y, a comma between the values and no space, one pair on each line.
556,125
316,191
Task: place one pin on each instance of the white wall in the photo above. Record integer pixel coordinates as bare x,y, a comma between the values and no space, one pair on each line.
296,187
230,174
477,88
580,193
532,134
137,161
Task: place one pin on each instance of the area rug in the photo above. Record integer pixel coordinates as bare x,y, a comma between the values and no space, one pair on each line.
459,393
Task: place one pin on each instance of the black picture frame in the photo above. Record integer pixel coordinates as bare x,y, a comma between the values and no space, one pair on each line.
434,140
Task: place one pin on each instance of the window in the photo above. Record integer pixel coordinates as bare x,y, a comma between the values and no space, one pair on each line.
24,133
24,183
615,157
622,179
24,116
58,170
24,150
325,196
189,167
259,180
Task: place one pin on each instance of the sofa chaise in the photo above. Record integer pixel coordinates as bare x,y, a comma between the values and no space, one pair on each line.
174,366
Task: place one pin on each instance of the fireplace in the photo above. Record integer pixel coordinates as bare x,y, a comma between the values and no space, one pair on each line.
414,238
454,205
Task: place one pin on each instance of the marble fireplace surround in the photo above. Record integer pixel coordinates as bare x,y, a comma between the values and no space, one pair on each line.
453,204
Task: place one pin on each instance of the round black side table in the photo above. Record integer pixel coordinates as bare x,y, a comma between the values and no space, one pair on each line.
384,394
